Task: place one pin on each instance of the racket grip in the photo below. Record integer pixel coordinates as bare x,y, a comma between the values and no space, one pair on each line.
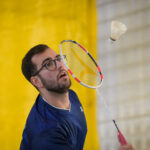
121,138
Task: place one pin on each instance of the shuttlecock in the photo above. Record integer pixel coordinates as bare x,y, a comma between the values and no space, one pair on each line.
117,29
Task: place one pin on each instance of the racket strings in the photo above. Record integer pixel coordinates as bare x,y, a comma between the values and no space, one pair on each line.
79,62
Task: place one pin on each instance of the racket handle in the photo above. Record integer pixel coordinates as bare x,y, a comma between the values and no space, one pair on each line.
121,138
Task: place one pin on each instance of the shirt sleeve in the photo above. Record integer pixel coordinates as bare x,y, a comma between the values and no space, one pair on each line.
51,140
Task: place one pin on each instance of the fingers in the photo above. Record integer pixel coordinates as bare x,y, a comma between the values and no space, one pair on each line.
126,147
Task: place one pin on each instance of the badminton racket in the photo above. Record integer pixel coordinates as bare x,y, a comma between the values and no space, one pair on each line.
85,70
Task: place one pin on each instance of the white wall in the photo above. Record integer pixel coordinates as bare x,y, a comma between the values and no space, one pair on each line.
126,68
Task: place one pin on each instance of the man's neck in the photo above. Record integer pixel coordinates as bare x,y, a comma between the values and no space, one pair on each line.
58,100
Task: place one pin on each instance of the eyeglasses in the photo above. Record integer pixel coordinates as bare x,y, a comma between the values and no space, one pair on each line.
50,64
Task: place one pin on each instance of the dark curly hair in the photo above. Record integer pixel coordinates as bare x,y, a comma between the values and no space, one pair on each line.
28,68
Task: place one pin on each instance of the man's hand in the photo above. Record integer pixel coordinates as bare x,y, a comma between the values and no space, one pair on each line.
126,147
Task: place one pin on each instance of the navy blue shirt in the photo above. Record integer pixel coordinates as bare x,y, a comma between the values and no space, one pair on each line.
49,128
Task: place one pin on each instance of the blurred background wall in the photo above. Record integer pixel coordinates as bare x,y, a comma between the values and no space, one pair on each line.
25,23
125,65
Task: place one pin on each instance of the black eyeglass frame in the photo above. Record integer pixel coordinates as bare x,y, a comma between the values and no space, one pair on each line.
45,65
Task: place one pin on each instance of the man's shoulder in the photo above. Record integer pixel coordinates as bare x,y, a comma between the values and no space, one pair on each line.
73,96
39,118
72,93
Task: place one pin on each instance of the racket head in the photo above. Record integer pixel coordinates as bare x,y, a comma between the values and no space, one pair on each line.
80,64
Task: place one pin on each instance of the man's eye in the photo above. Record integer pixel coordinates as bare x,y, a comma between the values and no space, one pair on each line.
49,64
59,59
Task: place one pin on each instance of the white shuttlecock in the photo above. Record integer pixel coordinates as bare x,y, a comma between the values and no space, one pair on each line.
117,29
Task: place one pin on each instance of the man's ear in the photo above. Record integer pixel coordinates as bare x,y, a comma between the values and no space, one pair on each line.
36,82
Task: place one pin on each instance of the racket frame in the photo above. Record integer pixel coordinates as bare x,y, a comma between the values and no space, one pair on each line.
72,74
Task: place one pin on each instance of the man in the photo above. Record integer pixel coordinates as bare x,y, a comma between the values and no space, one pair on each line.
56,120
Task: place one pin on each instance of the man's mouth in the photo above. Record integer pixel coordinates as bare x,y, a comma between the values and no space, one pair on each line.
63,74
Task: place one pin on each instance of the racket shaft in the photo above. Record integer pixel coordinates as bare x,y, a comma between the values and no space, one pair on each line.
121,138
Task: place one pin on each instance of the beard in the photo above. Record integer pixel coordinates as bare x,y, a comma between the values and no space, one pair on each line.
56,86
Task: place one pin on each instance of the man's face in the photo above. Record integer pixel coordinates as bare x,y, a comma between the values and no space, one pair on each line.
55,80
